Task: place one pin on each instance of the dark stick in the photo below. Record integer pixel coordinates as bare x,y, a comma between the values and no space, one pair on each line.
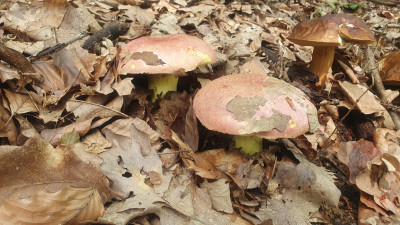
112,31
58,46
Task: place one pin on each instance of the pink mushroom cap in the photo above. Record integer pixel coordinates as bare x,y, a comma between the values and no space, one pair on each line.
255,105
169,54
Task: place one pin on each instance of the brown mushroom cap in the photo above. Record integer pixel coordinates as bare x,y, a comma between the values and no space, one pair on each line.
255,105
329,30
168,54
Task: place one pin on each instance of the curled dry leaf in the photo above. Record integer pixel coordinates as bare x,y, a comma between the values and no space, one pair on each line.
40,184
20,103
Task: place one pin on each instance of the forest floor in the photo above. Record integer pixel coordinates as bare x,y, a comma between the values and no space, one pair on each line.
81,141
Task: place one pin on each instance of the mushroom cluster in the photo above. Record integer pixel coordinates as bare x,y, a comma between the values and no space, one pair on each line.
325,34
252,107
164,58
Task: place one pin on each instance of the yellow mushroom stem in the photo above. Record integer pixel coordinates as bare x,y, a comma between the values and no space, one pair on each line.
161,84
322,60
248,144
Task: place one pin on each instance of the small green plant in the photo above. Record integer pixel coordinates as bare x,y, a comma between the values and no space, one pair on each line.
338,5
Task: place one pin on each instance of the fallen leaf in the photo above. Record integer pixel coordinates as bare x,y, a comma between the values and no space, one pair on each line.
7,126
220,195
38,179
367,104
20,103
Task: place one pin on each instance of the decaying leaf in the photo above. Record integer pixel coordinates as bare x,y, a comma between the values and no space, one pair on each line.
355,155
306,187
7,126
37,179
123,164
20,103
88,111
367,104
54,135
220,195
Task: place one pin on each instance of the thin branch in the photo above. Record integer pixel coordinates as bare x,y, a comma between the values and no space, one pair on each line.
379,85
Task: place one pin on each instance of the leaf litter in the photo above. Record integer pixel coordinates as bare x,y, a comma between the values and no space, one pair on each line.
134,161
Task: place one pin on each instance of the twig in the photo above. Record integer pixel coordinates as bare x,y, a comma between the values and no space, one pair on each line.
58,46
379,85
175,152
111,32
326,144
15,59
381,2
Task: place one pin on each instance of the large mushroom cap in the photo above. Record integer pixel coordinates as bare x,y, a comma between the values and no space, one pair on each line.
330,30
256,105
169,54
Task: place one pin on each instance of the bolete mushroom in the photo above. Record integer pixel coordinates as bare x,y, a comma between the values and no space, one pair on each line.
164,58
252,107
327,32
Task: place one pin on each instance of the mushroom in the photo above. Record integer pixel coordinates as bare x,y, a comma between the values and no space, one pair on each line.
325,34
164,58
252,107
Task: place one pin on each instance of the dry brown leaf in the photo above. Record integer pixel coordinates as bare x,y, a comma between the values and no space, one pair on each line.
95,143
355,155
226,161
125,164
191,131
51,115
88,111
52,77
27,131
124,87
127,153
7,73
142,16
66,59
220,195
254,66
7,126
305,187
53,136
389,68
53,12
196,162
115,104
25,18
123,127
367,104
20,103
249,175
38,179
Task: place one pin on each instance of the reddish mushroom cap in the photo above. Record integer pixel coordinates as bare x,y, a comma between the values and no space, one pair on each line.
168,54
255,104
329,30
